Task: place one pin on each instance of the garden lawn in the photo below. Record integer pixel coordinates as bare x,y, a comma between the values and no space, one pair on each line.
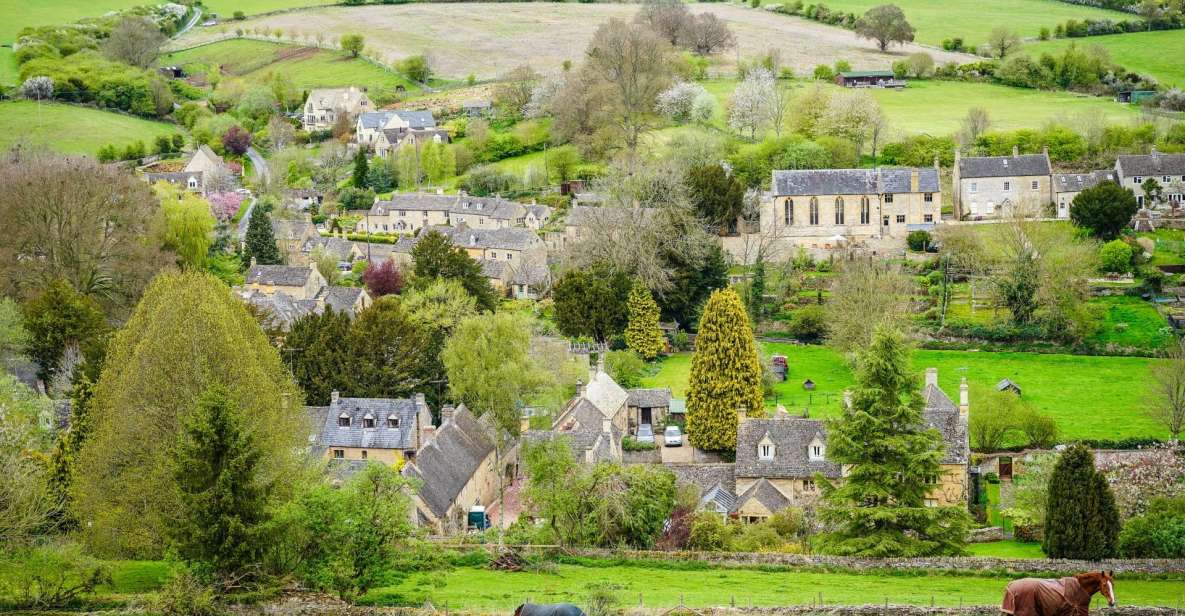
1153,53
73,129
255,61
1007,549
467,588
1130,322
1089,397
973,20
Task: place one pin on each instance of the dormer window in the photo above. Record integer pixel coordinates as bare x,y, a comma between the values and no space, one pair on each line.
816,451
392,422
343,421
765,452
368,421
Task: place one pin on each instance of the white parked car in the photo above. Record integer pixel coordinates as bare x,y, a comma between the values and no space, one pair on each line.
645,434
673,436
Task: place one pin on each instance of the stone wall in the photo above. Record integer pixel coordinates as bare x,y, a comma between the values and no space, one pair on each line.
985,535
1047,566
649,456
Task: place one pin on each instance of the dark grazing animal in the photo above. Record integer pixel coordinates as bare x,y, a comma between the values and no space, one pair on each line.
547,609
1069,596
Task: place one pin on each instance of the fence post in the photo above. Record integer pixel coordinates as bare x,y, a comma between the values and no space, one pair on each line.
732,601
931,600
639,600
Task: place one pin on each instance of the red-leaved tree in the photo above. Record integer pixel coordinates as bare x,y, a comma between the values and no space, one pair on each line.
383,279
236,140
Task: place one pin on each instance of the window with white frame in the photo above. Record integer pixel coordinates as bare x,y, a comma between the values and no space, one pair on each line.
974,187
1034,185
928,197
900,218
865,211
839,210
888,197
928,217
1007,186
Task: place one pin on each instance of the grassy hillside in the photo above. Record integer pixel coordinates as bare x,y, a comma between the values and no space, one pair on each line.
1158,54
973,20
72,129
307,67
1092,408
469,588
9,71
227,8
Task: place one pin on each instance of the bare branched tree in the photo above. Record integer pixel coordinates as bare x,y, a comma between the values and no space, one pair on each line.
514,90
667,18
866,294
135,41
706,34
1167,403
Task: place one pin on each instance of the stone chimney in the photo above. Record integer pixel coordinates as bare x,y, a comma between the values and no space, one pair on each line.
253,261
932,376
606,425
964,400
334,396
579,388
913,180
936,165
446,414
600,362
1016,150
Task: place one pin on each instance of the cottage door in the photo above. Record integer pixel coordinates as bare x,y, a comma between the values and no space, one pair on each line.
645,415
1006,468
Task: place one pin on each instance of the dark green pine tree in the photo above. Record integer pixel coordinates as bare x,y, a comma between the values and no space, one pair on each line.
1081,520
757,292
260,241
361,168
879,507
317,352
223,498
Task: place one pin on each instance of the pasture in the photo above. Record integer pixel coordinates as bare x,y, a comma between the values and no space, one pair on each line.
307,67
1080,392
490,39
73,129
484,590
1153,53
9,71
972,20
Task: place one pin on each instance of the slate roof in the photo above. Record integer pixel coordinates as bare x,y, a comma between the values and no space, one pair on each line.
490,207
1003,166
650,398
417,120
374,120
282,309
541,212
1077,182
941,413
791,437
336,246
335,98
174,177
279,275
449,460
342,299
811,182
378,251
531,275
718,499
476,104
493,268
765,493
605,393
705,476
403,437
847,74
317,415
1153,164
293,229
509,238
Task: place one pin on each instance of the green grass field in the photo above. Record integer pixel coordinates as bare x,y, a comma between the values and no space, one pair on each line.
227,8
255,61
1153,53
73,129
1079,391
1131,322
972,20
9,71
1007,549
467,588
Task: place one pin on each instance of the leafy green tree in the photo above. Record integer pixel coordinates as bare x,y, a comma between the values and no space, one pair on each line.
439,162
439,308
1081,520
885,24
27,508
718,196
879,508
1153,190
642,333
260,243
187,334
353,198
1158,533
725,374
189,224
626,367
63,462
756,296
349,540
592,302
385,349
1115,256
217,468
352,44
57,319
692,281
435,257
317,352
1104,209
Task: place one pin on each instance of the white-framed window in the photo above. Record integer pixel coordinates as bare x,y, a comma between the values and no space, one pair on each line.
814,212
931,502
1166,179
974,187
402,213
392,422
765,451
928,197
788,212
885,221
1137,180
368,421
865,211
343,421
888,197
509,256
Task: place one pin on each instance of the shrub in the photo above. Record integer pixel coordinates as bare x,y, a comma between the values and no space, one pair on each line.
918,240
630,443
1115,256
1159,533
709,533
626,367
49,577
239,16
1039,430
185,594
809,323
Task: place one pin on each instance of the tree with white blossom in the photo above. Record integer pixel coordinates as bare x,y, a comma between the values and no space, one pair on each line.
37,88
686,102
750,109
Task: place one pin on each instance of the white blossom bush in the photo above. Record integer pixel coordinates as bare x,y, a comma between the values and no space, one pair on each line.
751,107
37,88
1137,479
686,102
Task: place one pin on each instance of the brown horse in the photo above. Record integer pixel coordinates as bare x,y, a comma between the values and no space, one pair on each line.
1069,596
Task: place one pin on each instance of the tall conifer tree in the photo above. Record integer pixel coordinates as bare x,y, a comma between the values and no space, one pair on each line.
888,455
725,374
361,168
643,334
1081,520
260,240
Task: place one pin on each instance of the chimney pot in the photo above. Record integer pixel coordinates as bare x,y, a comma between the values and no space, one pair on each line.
932,376
1016,150
964,399
446,414
334,396
579,387
606,425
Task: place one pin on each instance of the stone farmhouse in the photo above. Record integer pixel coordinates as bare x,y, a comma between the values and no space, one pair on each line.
291,237
1066,186
384,131
1132,170
289,292
988,187
202,166
405,213
457,468
839,208
387,430
513,259
324,106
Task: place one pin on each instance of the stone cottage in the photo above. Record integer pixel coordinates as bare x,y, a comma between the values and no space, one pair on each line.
999,186
388,430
